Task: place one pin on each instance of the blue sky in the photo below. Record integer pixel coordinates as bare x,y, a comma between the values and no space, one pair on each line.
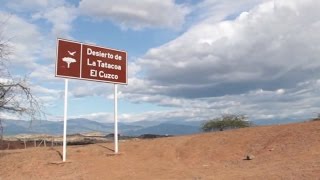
188,59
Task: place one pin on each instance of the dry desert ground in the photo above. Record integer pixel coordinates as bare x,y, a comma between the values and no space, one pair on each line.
280,152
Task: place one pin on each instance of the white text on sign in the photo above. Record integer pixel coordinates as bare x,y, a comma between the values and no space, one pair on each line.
102,74
99,63
103,54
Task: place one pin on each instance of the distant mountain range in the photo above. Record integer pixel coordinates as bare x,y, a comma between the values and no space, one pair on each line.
14,127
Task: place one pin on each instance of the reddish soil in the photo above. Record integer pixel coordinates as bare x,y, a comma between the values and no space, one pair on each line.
280,152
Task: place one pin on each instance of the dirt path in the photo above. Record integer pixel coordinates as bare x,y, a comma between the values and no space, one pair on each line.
280,152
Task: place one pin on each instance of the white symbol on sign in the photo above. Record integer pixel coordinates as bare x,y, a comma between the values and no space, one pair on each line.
69,60
72,53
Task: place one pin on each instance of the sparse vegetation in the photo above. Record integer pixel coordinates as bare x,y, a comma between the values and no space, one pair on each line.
226,121
317,118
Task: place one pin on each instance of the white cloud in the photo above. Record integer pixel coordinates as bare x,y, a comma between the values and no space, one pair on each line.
44,72
6,115
32,5
59,13
22,47
217,10
253,64
263,48
61,18
43,90
29,49
149,116
302,102
80,89
137,14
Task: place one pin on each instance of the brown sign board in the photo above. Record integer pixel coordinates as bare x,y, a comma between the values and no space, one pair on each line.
89,62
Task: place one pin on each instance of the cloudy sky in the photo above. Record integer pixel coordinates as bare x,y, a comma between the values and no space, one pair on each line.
188,59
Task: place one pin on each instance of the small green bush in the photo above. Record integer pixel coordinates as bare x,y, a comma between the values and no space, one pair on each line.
317,118
227,121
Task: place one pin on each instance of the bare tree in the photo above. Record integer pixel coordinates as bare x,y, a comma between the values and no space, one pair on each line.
15,93
3,53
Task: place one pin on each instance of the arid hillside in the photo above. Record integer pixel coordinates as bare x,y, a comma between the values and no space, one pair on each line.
279,152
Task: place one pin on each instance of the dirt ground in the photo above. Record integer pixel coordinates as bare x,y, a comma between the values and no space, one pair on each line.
280,152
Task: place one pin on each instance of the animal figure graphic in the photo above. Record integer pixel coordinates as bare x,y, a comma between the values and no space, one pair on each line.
72,53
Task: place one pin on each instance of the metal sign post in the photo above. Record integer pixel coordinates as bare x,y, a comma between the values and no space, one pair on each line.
116,147
65,120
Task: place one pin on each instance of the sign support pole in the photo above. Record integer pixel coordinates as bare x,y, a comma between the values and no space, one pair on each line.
65,120
116,119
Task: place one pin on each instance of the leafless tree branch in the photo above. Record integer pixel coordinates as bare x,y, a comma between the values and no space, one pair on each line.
16,96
